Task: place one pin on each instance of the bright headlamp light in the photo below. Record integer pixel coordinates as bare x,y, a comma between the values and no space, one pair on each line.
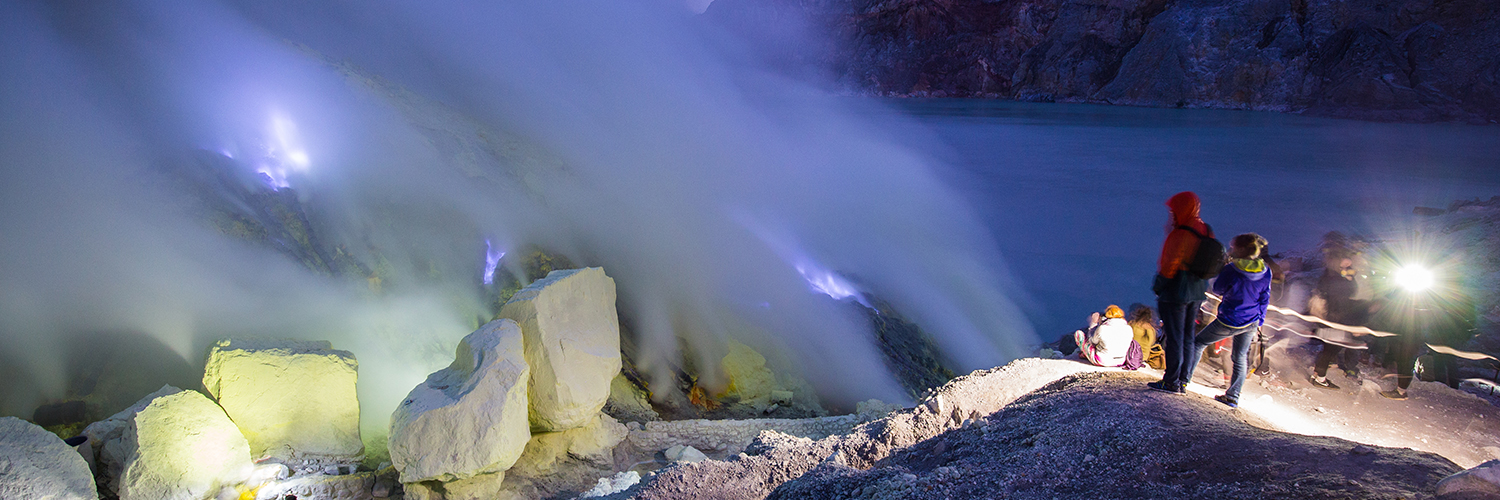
1414,278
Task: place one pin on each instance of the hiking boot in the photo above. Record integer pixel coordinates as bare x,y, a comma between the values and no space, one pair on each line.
1394,394
1164,387
1227,402
1326,384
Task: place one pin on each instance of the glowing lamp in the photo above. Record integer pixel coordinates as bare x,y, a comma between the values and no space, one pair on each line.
1414,278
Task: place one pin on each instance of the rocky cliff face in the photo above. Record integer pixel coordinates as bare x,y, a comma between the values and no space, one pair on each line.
1402,60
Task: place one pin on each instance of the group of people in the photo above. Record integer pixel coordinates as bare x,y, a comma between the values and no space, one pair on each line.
1113,340
1190,257
1244,285
1338,300
1342,298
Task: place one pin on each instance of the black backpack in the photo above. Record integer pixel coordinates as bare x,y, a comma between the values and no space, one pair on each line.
1209,259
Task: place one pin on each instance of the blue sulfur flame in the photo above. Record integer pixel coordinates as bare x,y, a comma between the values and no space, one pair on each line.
491,261
828,283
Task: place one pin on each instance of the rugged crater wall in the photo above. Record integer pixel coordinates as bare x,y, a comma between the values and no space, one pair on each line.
1405,60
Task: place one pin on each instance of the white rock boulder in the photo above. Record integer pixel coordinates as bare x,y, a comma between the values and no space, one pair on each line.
467,423
628,402
173,444
356,486
874,409
1481,481
684,453
293,400
611,485
36,464
572,344
749,378
594,442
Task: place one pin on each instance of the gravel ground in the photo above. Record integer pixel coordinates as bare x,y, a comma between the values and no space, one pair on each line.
1057,429
1103,435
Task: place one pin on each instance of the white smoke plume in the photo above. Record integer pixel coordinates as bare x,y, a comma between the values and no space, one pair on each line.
625,134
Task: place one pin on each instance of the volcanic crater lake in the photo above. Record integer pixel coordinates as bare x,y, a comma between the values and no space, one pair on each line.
1074,194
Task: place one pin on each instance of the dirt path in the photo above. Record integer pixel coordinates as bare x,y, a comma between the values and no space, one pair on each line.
1435,418
1054,428
1104,435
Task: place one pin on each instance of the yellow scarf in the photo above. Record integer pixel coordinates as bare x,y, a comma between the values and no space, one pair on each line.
1250,265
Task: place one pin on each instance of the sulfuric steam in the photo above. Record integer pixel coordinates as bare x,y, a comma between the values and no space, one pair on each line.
362,172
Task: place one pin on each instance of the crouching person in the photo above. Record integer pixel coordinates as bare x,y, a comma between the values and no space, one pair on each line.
1245,285
1108,342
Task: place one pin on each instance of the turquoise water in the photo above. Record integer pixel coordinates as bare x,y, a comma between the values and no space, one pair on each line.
1074,194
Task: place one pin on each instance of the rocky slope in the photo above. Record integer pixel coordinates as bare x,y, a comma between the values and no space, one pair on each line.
1404,60
1057,429
1104,436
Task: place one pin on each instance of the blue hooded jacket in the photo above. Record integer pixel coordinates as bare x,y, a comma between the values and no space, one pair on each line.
1245,286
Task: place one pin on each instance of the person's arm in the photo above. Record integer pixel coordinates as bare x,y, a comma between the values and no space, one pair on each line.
1226,280
1091,338
1265,299
1175,252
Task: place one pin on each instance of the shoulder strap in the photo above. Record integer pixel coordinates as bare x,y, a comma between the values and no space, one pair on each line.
1195,231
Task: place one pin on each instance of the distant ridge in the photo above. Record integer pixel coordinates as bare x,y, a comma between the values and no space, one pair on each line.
1403,61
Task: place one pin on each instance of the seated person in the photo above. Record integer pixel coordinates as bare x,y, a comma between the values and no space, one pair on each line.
1143,323
1106,342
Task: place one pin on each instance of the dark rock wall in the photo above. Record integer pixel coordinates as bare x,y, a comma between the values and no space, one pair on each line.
1403,60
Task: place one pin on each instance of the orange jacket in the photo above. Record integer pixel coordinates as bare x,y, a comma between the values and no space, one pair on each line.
1180,246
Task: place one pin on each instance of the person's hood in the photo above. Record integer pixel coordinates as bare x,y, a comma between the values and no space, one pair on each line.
1184,207
1254,269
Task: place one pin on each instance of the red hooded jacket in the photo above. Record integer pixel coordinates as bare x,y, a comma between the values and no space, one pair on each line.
1180,246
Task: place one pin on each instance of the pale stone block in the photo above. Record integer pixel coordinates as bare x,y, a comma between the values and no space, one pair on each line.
749,378
572,344
172,445
293,400
358,486
612,485
873,409
467,419
36,464
628,402
1482,480
594,442
685,454
477,487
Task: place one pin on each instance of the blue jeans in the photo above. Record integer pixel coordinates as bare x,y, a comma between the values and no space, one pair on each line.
1177,320
1215,332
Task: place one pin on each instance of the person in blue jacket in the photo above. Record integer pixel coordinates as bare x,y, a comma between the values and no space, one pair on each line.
1245,286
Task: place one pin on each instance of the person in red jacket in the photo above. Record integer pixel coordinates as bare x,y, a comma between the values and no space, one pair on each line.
1178,292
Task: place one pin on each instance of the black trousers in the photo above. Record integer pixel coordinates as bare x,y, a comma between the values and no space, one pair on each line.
1406,360
1348,359
1325,358
1178,325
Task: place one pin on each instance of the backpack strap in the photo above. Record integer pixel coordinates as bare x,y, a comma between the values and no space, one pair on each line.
1195,232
